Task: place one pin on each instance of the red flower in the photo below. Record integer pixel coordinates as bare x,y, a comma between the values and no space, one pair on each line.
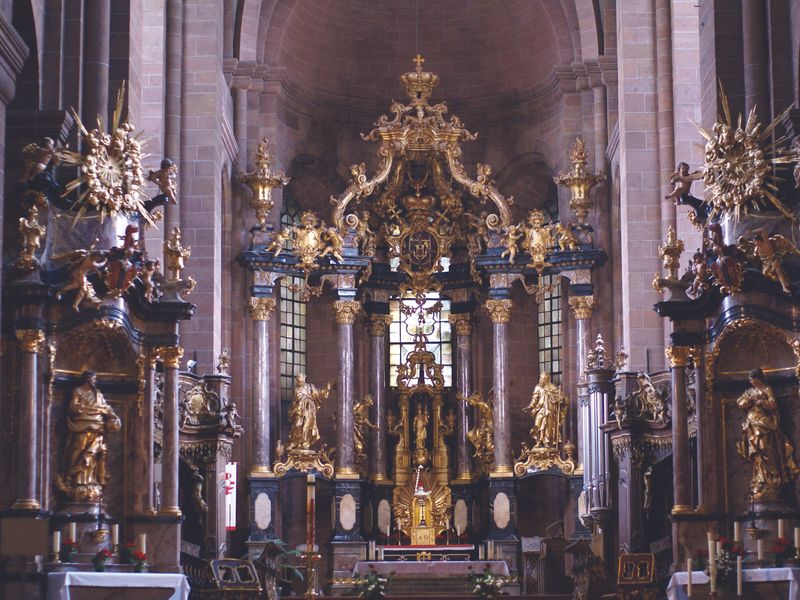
139,556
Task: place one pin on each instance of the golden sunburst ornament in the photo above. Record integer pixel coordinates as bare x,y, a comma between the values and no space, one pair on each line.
740,162
111,174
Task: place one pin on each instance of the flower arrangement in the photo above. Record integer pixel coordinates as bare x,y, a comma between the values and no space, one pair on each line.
373,585
139,561
725,560
782,550
700,559
100,559
487,585
68,551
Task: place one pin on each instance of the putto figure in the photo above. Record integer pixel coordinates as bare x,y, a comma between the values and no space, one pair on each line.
164,178
763,443
89,419
303,413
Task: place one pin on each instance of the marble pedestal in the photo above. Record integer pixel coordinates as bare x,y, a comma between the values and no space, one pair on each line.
263,501
163,540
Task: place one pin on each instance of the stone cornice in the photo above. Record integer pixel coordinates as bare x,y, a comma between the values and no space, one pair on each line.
13,52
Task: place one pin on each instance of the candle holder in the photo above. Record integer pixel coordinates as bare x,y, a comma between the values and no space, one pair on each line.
310,559
757,534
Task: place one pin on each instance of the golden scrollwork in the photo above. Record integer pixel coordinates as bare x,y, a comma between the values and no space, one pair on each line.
377,323
262,180
346,311
678,356
261,308
89,420
171,355
30,340
311,240
30,233
499,310
482,435
582,306
579,181
462,323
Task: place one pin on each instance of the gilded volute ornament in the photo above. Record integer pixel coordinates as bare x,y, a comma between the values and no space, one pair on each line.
377,324
582,306
462,323
89,419
30,340
261,308
763,443
172,356
346,311
499,310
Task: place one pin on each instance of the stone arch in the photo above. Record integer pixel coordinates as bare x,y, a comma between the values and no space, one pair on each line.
528,178
313,181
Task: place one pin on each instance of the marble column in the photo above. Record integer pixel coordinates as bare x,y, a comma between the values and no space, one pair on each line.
346,312
377,388
755,47
172,356
30,344
463,327
581,307
97,39
500,313
703,445
173,69
678,357
260,310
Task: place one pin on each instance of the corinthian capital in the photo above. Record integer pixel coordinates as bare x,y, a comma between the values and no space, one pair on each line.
30,340
678,356
346,311
581,306
171,355
261,308
499,310
461,323
377,324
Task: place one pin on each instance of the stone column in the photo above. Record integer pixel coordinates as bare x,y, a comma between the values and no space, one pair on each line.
755,48
30,344
377,388
260,310
346,312
173,69
172,356
703,444
463,327
678,357
500,313
97,40
581,307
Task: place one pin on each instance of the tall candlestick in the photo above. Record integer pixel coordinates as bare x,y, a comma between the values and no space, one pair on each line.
738,575
73,532
689,578
782,528
737,531
56,545
712,562
310,499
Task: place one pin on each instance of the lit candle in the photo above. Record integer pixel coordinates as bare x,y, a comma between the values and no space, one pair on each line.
56,543
114,535
719,547
73,532
310,498
797,541
712,562
689,578
761,547
480,552
737,531
738,575
143,543
458,531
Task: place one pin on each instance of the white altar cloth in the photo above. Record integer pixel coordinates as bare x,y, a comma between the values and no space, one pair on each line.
59,585
676,590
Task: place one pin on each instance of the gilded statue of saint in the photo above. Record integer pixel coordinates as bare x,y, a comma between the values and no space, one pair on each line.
763,442
421,427
303,413
548,408
89,419
362,423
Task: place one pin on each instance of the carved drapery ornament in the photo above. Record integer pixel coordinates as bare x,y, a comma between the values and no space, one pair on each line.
499,310
171,355
582,306
462,323
261,308
377,323
30,340
678,356
346,311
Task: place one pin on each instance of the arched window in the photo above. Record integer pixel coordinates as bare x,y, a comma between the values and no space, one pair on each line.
293,321
549,317
435,324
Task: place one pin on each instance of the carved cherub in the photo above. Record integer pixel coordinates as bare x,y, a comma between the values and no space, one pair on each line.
365,235
681,181
279,239
334,244
37,157
700,282
83,262
148,274
230,418
30,232
566,237
164,178
770,251
511,237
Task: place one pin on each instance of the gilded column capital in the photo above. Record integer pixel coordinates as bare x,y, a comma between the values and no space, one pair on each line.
582,306
461,322
261,308
346,311
171,355
678,356
499,310
377,323
30,340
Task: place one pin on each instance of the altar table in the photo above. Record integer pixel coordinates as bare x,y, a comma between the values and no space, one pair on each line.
83,585
676,590
426,569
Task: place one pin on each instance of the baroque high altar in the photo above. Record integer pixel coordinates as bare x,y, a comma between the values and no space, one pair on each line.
404,455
